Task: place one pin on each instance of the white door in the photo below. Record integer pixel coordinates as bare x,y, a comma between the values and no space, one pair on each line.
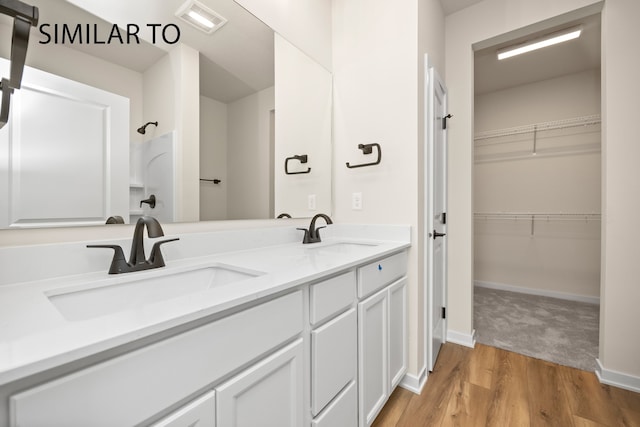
436,221
64,154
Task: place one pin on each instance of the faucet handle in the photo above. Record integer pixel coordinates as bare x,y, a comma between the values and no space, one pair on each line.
318,231
156,257
306,238
118,263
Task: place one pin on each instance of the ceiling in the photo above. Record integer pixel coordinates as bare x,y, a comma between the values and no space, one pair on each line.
236,60
565,58
452,6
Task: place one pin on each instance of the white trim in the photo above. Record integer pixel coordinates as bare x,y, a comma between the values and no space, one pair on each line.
541,292
467,340
617,379
413,383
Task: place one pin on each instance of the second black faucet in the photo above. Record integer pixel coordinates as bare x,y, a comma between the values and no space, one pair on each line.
312,235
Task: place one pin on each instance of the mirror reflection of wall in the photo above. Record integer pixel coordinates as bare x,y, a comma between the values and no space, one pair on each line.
179,87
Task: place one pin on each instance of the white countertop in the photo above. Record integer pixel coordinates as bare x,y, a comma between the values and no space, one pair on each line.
35,337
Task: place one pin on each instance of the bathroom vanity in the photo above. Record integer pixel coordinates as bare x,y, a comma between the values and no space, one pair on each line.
269,334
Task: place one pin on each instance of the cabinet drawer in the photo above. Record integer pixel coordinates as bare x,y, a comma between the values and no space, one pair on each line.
334,353
378,274
201,413
131,388
331,297
343,411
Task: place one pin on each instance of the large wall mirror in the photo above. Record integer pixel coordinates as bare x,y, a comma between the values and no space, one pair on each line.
238,122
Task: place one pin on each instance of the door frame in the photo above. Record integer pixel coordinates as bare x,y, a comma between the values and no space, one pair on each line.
431,77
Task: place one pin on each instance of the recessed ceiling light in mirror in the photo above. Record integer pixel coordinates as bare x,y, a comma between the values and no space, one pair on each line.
200,16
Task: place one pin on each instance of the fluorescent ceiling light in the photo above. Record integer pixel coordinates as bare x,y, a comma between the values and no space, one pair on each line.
200,16
570,34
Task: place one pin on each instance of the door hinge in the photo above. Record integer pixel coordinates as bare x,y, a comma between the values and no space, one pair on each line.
444,312
444,120
443,218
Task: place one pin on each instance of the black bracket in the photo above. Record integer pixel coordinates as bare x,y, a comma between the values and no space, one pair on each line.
303,158
368,149
24,17
444,120
215,181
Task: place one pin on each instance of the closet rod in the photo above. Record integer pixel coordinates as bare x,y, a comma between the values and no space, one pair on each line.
543,126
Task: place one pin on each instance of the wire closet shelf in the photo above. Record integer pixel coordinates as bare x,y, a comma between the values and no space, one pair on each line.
533,217
522,142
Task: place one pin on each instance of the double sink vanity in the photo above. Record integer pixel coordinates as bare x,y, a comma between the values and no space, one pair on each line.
240,328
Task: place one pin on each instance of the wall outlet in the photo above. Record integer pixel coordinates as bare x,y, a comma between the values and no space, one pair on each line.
356,201
311,202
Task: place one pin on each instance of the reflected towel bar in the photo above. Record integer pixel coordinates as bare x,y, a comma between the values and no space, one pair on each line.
303,158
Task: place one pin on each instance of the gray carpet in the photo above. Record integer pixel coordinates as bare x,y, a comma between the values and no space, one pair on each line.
559,331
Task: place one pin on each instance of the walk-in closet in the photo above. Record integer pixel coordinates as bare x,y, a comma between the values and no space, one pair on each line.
537,196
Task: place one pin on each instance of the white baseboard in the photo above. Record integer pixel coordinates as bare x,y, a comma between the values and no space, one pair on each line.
540,292
617,379
467,340
413,383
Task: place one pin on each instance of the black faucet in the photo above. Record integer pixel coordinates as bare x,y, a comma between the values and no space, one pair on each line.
137,259
312,235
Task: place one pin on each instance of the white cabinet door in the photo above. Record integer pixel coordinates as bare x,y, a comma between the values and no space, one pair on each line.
373,365
397,332
333,358
269,394
342,411
199,413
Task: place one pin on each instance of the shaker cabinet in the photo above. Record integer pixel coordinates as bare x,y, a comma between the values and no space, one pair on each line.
382,333
199,413
269,394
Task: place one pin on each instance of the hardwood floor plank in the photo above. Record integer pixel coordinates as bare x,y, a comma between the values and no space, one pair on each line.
547,398
510,401
468,406
395,407
583,422
590,399
430,407
481,366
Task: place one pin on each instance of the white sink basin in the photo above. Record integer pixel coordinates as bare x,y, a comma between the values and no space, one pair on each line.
340,247
124,293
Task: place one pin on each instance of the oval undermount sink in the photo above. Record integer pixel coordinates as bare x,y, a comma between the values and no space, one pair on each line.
125,293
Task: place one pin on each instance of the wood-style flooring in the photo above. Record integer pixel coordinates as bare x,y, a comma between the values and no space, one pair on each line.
486,386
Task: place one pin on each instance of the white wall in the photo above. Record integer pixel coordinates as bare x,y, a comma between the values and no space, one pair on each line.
619,316
172,98
213,159
305,23
560,256
620,294
303,92
248,170
376,64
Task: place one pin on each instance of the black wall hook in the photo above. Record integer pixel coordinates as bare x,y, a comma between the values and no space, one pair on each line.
303,158
368,149
444,120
